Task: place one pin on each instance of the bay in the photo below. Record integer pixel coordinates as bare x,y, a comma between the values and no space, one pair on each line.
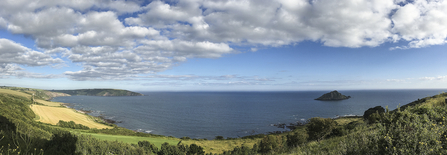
232,114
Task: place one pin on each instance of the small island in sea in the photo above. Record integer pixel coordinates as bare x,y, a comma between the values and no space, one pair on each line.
333,96
99,92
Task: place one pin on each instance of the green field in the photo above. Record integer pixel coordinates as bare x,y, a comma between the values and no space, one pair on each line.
134,139
12,92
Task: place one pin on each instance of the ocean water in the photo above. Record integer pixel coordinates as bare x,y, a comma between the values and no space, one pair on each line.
232,114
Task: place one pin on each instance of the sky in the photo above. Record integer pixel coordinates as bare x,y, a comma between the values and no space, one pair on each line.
224,45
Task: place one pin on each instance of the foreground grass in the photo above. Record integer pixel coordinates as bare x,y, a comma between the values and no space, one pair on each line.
52,115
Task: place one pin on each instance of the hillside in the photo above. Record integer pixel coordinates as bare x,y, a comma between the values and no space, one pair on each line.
416,128
98,92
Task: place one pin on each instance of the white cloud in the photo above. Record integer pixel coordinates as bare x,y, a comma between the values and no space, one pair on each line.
433,78
14,53
163,34
423,23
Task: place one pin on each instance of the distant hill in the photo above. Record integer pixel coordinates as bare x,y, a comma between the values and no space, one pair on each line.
333,96
99,92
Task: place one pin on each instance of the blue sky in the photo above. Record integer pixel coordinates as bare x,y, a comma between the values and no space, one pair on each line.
211,45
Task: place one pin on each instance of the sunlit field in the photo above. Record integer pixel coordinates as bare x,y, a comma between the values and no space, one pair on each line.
52,115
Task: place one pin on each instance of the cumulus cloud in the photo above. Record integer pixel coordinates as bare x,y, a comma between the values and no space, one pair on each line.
118,39
13,54
422,23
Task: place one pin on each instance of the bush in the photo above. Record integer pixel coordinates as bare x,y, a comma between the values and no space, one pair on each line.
318,128
370,111
195,150
72,125
148,147
272,143
417,130
219,138
293,140
167,149
374,118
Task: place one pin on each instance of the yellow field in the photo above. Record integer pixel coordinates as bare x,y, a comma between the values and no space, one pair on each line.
12,92
52,115
48,103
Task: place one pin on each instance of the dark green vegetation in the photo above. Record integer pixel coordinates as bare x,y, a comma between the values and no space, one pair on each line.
72,125
333,96
99,92
417,128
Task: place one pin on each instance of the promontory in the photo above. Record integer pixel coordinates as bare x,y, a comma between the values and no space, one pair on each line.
333,96
99,92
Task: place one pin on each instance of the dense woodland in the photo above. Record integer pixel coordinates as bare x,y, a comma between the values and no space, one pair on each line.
416,128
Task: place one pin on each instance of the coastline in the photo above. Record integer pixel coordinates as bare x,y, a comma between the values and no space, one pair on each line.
144,118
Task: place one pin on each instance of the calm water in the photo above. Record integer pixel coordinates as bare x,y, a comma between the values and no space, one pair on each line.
232,114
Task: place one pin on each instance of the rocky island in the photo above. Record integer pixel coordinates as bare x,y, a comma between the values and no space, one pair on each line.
98,92
333,96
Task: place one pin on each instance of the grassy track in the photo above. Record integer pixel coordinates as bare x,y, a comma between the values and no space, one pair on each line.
12,92
48,103
52,115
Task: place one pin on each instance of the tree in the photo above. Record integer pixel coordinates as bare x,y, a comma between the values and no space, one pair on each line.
318,128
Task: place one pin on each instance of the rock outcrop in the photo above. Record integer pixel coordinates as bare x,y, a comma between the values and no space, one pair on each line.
333,96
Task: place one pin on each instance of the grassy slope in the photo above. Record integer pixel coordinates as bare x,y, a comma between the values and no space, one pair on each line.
53,114
337,145
12,92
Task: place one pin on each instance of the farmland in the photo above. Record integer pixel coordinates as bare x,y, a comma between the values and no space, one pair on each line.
52,115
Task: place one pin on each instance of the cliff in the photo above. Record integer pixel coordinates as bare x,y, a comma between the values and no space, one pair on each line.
333,96
99,92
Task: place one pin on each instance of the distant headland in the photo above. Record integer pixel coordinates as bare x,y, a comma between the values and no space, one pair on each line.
98,92
333,96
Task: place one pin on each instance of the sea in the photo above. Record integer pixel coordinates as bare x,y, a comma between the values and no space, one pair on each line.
233,114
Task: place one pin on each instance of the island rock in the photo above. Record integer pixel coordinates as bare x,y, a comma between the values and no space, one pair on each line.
333,96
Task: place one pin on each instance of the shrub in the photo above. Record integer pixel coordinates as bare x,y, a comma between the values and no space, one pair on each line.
219,138
318,128
271,143
195,150
293,140
370,111
72,125
148,147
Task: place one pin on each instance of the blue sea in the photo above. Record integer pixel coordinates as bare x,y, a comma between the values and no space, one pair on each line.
232,114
